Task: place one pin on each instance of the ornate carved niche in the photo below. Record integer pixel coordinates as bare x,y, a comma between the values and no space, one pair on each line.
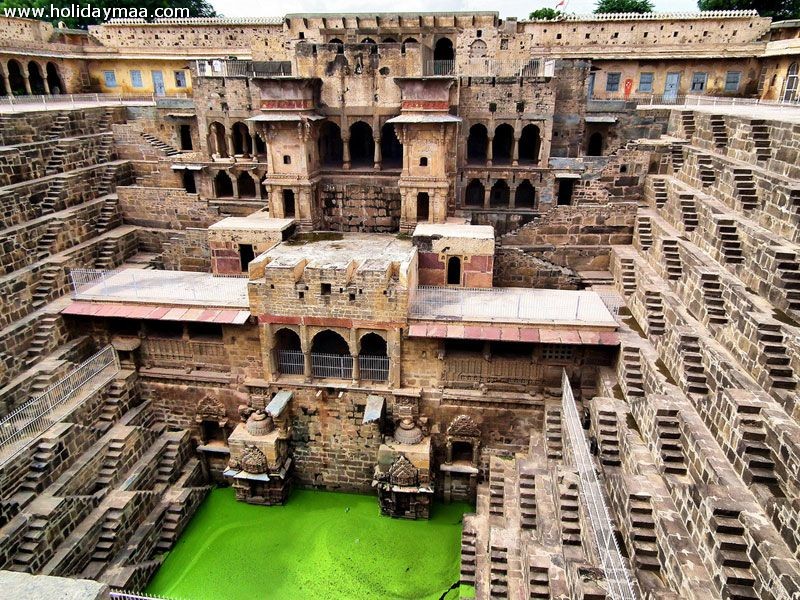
464,435
253,461
403,473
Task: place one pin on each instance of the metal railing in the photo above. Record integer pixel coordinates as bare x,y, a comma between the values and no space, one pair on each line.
73,100
126,595
691,100
617,575
159,286
243,68
291,362
336,366
490,67
34,417
440,67
508,305
373,368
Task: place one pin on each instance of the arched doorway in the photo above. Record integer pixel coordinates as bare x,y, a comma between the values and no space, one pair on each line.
477,142
529,143
373,358
242,141
391,148
15,79
330,356
35,78
288,353
423,206
339,45
791,86
223,186
525,196
502,144
595,145
454,270
443,57
500,195
288,204
331,148
54,79
361,145
373,45
185,134
216,139
246,185
474,194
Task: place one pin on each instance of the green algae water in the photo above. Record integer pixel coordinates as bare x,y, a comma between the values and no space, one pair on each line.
322,545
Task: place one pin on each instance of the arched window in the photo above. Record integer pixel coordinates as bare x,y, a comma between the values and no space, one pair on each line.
372,44
361,145
54,79
525,196
454,270
423,206
475,193
246,185
389,40
35,78
339,45
500,194
242,142
443,57
330,145
373,359
792,84
595,145
529,143
477,49
216,139
330,356
410,40
15,79
502,144
223,186
189,183
288,204
288,352
477,143
391,148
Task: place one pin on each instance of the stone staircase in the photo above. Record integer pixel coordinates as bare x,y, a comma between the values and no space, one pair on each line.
59,128
168,463
672,258
660,192
688,205
110,465
569,512
106,254
112,405
730,245
43,335
705,169
160,145
669,442
713,299
773,356
756,453
104,548
643,533
108,180
109,215
45,287
676,153
788,271
105,149
498,574
33,537
555,443
760,136
55,164
628,275
45,244
527,500
654,308
632,365
693,371
731,553
687,122
719,132
606,431
496,489
468,559
53,196
645,232
745,188
36,477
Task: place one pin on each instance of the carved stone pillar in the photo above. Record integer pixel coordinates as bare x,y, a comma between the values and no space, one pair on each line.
305,346
27,83
515,151
346,153
487,194
376,154
489,151
395,354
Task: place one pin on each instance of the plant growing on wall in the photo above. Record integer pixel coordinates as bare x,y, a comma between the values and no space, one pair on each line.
624,6
545,14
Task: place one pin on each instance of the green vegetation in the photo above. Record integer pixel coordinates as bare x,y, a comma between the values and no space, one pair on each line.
545,14
779,10
320,545
624,6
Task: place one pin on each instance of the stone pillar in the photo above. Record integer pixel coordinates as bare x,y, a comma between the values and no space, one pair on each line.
346,152
6,83
512,192
270,364
356,369
305,346
487,194
46,84
515,151
376,154
234,184
229,142
27,83
395,353
545,139
489,151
